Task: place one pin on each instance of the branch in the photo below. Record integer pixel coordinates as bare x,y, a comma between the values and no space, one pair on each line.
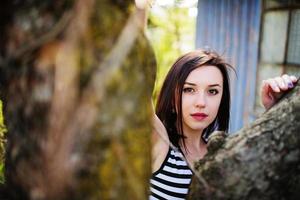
261,161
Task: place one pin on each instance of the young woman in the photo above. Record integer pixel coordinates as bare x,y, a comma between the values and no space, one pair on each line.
194,101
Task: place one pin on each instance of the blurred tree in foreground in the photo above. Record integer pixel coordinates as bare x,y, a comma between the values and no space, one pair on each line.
76,81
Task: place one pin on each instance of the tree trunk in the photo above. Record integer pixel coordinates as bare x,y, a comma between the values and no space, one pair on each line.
261,161
76,83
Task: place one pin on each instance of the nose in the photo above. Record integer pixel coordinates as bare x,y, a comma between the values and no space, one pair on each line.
200,100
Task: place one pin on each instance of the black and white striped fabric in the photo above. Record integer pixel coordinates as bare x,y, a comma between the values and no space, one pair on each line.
172,180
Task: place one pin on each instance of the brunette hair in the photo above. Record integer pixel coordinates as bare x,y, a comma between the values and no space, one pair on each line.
169,104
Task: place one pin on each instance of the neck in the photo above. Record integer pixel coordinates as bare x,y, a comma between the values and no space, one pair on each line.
193,141
195,146
193,138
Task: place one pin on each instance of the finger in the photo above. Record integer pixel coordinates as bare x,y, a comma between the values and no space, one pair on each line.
288,81
294,79
273,85
281,83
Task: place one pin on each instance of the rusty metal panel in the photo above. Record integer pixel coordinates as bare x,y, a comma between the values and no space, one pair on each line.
231,27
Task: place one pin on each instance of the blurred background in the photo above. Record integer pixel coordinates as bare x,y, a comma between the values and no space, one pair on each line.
259,38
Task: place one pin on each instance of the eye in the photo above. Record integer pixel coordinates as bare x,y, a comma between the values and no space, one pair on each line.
188,90
213,91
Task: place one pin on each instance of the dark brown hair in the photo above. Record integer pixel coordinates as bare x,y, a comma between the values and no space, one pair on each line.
169,104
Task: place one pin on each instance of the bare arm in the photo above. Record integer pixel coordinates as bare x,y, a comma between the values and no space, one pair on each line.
160,143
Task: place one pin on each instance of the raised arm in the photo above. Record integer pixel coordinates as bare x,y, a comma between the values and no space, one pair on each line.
160,142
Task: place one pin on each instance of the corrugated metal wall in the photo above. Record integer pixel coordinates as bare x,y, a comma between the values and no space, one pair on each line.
231,27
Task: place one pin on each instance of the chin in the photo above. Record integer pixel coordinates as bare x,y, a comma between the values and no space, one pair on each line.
198,128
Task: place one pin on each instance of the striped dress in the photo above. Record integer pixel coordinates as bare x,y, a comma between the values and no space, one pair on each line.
172,180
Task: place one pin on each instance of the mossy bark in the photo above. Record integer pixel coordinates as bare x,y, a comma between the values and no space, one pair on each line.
261,161
76,83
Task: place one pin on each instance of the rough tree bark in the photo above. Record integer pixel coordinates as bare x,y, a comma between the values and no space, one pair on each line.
76,83
261,161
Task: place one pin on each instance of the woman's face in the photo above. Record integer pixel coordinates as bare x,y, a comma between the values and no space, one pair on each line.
201,97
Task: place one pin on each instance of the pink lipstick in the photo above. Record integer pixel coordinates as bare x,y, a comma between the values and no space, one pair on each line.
199,116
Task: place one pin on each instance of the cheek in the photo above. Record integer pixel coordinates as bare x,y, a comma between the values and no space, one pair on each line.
184,108
215,104
187,102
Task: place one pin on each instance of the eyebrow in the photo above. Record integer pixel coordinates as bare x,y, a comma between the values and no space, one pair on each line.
212,85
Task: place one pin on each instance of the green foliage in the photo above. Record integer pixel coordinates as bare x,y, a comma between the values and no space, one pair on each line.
171,31
2,131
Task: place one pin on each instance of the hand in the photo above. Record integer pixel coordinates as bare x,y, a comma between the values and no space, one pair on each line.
272,89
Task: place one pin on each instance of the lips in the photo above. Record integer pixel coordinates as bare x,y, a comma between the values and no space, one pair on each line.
199,116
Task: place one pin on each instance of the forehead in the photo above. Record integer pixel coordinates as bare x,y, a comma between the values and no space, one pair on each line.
206,74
